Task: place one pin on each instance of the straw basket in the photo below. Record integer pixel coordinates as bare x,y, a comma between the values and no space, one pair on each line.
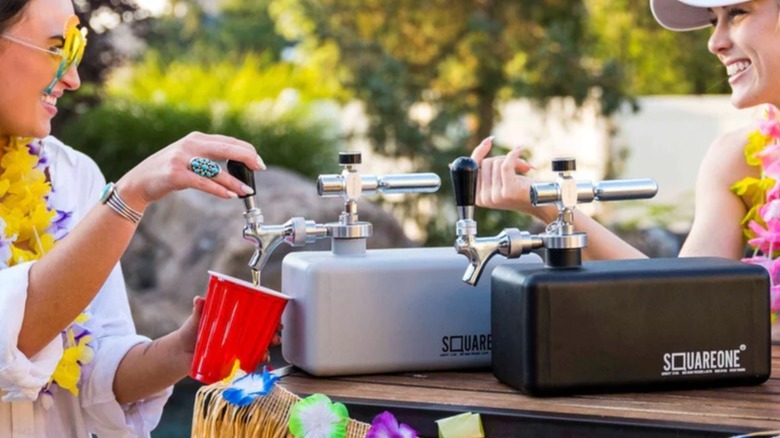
265,417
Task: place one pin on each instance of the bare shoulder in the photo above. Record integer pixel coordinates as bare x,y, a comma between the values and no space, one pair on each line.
732,141
725,158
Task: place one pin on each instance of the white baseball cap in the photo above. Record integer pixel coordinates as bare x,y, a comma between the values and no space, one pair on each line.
686,14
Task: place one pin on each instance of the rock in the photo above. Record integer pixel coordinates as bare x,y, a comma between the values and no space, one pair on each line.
654,242
188,233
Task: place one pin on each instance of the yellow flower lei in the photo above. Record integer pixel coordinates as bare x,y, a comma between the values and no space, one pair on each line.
25,220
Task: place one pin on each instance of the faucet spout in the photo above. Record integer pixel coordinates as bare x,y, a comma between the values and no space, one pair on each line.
510,243
479,250
265,238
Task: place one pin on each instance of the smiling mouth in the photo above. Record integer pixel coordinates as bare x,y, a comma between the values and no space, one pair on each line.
48,98
738,67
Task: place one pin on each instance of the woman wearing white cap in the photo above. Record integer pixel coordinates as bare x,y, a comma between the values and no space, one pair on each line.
746,39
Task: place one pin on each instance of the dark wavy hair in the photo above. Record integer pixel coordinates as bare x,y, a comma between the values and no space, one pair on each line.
11,12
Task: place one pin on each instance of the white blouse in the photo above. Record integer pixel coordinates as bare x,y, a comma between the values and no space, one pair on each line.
76,186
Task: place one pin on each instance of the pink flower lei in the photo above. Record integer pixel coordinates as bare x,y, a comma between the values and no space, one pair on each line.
762,222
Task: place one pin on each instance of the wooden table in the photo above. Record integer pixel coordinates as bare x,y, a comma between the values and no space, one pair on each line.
421,398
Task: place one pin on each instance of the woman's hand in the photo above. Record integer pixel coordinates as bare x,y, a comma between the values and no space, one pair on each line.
499,185
277,340
168,170
188,332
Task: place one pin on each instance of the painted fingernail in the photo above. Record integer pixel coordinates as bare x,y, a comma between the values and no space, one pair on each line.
245,189
260,162
232,194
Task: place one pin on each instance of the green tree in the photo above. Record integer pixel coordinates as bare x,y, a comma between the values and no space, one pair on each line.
655,60
461,59
229,32
202,71
432,74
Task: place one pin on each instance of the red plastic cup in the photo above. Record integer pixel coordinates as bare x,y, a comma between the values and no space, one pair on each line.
238,322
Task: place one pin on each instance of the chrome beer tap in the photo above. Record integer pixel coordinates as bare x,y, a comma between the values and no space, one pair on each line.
295,232
563,246
511,242
351,185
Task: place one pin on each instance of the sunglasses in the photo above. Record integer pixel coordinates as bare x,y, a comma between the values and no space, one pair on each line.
71,52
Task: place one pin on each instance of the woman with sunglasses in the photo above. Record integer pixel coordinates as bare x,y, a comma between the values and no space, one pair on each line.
71,363
746,40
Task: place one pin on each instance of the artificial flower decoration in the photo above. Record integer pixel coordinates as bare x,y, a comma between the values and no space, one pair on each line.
465,425
77,353
756,142
60,225
770,126
5,245
762,222
385,425
246,389
29,228
317,417
235,373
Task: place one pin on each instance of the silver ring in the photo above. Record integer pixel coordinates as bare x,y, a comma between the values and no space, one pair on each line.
204,167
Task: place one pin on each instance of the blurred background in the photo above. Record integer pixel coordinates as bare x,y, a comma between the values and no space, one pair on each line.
412,84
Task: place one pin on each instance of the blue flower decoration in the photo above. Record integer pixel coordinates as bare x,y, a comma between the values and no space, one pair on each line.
246,389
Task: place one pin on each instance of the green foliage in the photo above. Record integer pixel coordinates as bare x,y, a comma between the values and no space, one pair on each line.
198,36
217,85
118,135
232,85
655,60
431,75
458,60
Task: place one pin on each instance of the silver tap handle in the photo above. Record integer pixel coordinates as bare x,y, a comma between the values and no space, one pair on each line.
623,189
610,190
329,186
409,183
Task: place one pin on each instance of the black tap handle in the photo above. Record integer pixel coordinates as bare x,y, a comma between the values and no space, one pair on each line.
464,173
242,173
564,164
346,158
